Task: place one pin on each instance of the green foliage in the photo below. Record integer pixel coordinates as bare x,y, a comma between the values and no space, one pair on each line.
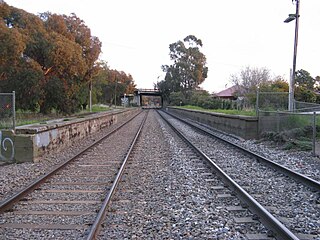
237,112
177,99
51,62
305,86
189,69
100,108
26,82
202,99
304,79
250,79
231,112
296,138
298,145
273,101
296,121
110,84
305,95
46,60
165,88
278,85
32,117
199,97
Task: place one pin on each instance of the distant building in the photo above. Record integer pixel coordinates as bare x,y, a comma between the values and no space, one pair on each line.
229,93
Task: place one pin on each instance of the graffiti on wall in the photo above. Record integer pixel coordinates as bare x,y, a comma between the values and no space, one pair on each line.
6,148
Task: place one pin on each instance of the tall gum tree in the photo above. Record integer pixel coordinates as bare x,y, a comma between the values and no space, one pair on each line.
45,53
189,69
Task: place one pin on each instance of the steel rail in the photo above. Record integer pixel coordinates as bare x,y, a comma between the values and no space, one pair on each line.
103,210
309,182
7,203
278,229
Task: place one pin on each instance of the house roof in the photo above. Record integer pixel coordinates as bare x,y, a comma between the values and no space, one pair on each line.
229,92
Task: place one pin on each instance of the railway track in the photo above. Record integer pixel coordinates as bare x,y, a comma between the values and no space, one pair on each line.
170,193
285,201
70,201
308,181
168,190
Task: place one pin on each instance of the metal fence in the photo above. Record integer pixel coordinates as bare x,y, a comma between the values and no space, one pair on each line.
272,101
7,121
306,107
7,111
279,101
297,127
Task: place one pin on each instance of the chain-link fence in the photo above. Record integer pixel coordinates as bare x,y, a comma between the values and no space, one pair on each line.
295,129
7,121
272,101
279,101
306,107
7,111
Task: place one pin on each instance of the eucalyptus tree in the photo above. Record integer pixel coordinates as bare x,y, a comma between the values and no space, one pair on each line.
306,86
18,70
304,79
76,61
47,59
189,69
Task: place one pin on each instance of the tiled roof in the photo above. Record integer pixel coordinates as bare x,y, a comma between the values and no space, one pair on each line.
229,92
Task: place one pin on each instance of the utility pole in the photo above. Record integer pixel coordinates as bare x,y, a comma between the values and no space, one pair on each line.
293,73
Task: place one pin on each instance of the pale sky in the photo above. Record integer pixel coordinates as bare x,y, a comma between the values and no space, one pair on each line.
136,34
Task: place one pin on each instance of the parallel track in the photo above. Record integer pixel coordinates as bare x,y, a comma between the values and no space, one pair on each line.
293,174
102,212
279,230
69,179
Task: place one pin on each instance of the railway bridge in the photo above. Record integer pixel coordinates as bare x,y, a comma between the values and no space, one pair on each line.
148,98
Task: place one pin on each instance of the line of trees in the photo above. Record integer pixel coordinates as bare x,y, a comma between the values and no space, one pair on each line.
110,84
182,79
306,87
51,61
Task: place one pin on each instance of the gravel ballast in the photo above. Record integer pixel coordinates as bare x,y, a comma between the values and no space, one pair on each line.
166,192
294,204
14,176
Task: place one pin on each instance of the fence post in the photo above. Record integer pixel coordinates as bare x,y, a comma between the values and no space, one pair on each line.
14,110
314,134
258,116
278,121
257,101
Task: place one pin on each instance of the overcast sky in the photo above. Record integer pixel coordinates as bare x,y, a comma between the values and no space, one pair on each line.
136,34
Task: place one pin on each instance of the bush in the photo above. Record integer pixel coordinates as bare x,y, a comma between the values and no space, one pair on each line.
297,138
203,99
300,145
177,99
